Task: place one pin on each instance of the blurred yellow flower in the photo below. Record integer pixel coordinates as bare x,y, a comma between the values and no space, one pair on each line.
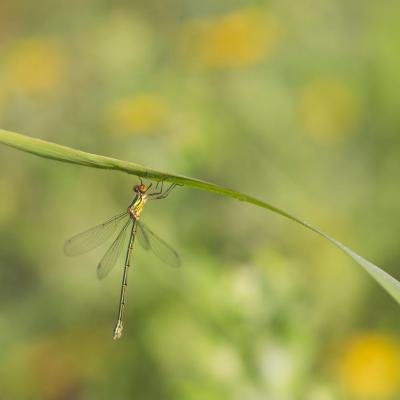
35,65
371,366
239,38
146,113
329,110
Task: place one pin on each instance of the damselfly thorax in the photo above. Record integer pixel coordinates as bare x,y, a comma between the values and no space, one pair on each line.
136,208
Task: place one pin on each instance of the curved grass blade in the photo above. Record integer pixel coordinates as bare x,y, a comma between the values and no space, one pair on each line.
93,237
110,258
158,246
57,152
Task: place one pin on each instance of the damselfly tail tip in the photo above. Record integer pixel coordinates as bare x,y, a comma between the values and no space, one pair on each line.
117,333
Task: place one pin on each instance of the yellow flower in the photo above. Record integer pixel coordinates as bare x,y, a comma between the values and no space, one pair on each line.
35,65
371,366
329,110
242,37
146,113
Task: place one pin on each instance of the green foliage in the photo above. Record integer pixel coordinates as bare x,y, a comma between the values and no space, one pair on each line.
66,154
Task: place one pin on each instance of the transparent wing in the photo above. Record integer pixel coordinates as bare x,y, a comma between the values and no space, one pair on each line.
143,237
110,258
94,237
149,240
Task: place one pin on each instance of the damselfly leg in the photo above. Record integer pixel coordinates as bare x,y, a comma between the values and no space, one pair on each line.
162,194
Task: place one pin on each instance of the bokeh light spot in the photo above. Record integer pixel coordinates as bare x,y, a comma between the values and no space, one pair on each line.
142,114
371,366
329,110
35,65
242,37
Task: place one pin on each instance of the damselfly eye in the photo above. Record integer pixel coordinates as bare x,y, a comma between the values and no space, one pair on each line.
136,188
143,188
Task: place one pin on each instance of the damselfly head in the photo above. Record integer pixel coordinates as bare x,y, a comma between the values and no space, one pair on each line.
142,188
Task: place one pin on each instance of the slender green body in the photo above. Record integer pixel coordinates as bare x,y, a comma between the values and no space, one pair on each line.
119,325
134,210
123,222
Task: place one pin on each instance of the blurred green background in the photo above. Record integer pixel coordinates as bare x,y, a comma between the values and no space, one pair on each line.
293,102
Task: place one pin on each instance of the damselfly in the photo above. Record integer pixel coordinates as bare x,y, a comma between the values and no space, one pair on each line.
128,221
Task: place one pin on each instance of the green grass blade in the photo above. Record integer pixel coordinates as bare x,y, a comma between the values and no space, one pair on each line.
67,154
